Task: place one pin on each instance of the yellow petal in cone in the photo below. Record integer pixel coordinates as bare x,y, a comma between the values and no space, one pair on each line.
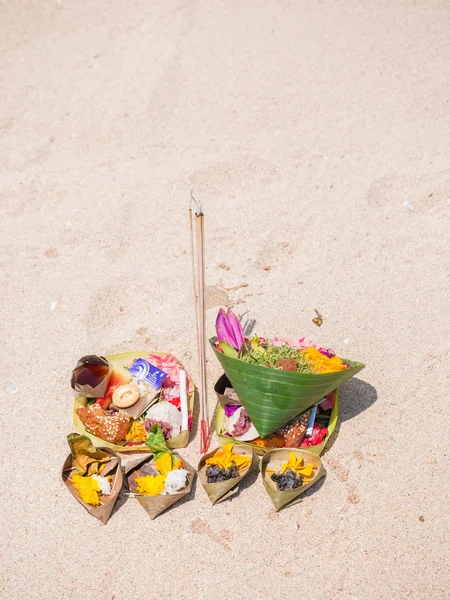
293,463
224,458
306,471
164,464
242,462
88,488
150,485
297,465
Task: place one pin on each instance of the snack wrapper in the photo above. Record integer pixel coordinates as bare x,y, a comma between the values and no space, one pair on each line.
144,371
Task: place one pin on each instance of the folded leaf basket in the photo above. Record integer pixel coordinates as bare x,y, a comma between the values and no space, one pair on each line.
272,398
124,360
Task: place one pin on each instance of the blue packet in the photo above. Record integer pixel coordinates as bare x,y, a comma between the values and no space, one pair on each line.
144,371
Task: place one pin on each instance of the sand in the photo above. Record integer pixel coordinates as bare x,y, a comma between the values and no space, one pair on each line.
316,134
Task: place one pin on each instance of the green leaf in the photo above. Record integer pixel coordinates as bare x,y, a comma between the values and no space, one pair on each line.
255,342
228,350
156,441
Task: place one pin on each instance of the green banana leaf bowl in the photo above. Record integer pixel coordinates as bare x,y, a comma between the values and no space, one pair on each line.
272,398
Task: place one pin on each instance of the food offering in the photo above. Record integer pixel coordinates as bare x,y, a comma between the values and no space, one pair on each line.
162,479
138,390
277,379
311,429
221,470
92,476
286,474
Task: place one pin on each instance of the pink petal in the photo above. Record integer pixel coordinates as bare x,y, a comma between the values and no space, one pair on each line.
236,328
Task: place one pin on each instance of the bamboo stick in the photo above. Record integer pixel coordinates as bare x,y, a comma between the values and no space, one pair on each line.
206,433
197,240
200,279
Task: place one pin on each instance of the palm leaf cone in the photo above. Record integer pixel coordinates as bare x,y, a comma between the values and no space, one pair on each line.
220,491
102,512
123,360
271,397
274,459
155,505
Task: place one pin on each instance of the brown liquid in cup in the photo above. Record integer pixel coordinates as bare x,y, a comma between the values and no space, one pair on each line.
91,373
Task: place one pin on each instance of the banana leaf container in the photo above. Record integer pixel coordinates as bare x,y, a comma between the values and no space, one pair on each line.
124,360
272,461
271,397
155,505
107,503
260,450
222,490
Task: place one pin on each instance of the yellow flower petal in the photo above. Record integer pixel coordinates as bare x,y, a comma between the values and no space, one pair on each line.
177,464
227,449
322,363
88,488
306,471
137,432
224,458
242,462
150,485
164,463
297,465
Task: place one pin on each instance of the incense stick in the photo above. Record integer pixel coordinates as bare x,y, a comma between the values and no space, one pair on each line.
206,433
201,320
198,278
192,223
194,282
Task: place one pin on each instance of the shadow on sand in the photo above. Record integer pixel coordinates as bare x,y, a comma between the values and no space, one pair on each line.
355,396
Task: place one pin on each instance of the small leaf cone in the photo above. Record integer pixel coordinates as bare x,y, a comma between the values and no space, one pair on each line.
102,512
274,459
155,505
222,490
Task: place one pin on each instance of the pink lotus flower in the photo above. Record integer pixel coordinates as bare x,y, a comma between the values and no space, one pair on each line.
229,330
